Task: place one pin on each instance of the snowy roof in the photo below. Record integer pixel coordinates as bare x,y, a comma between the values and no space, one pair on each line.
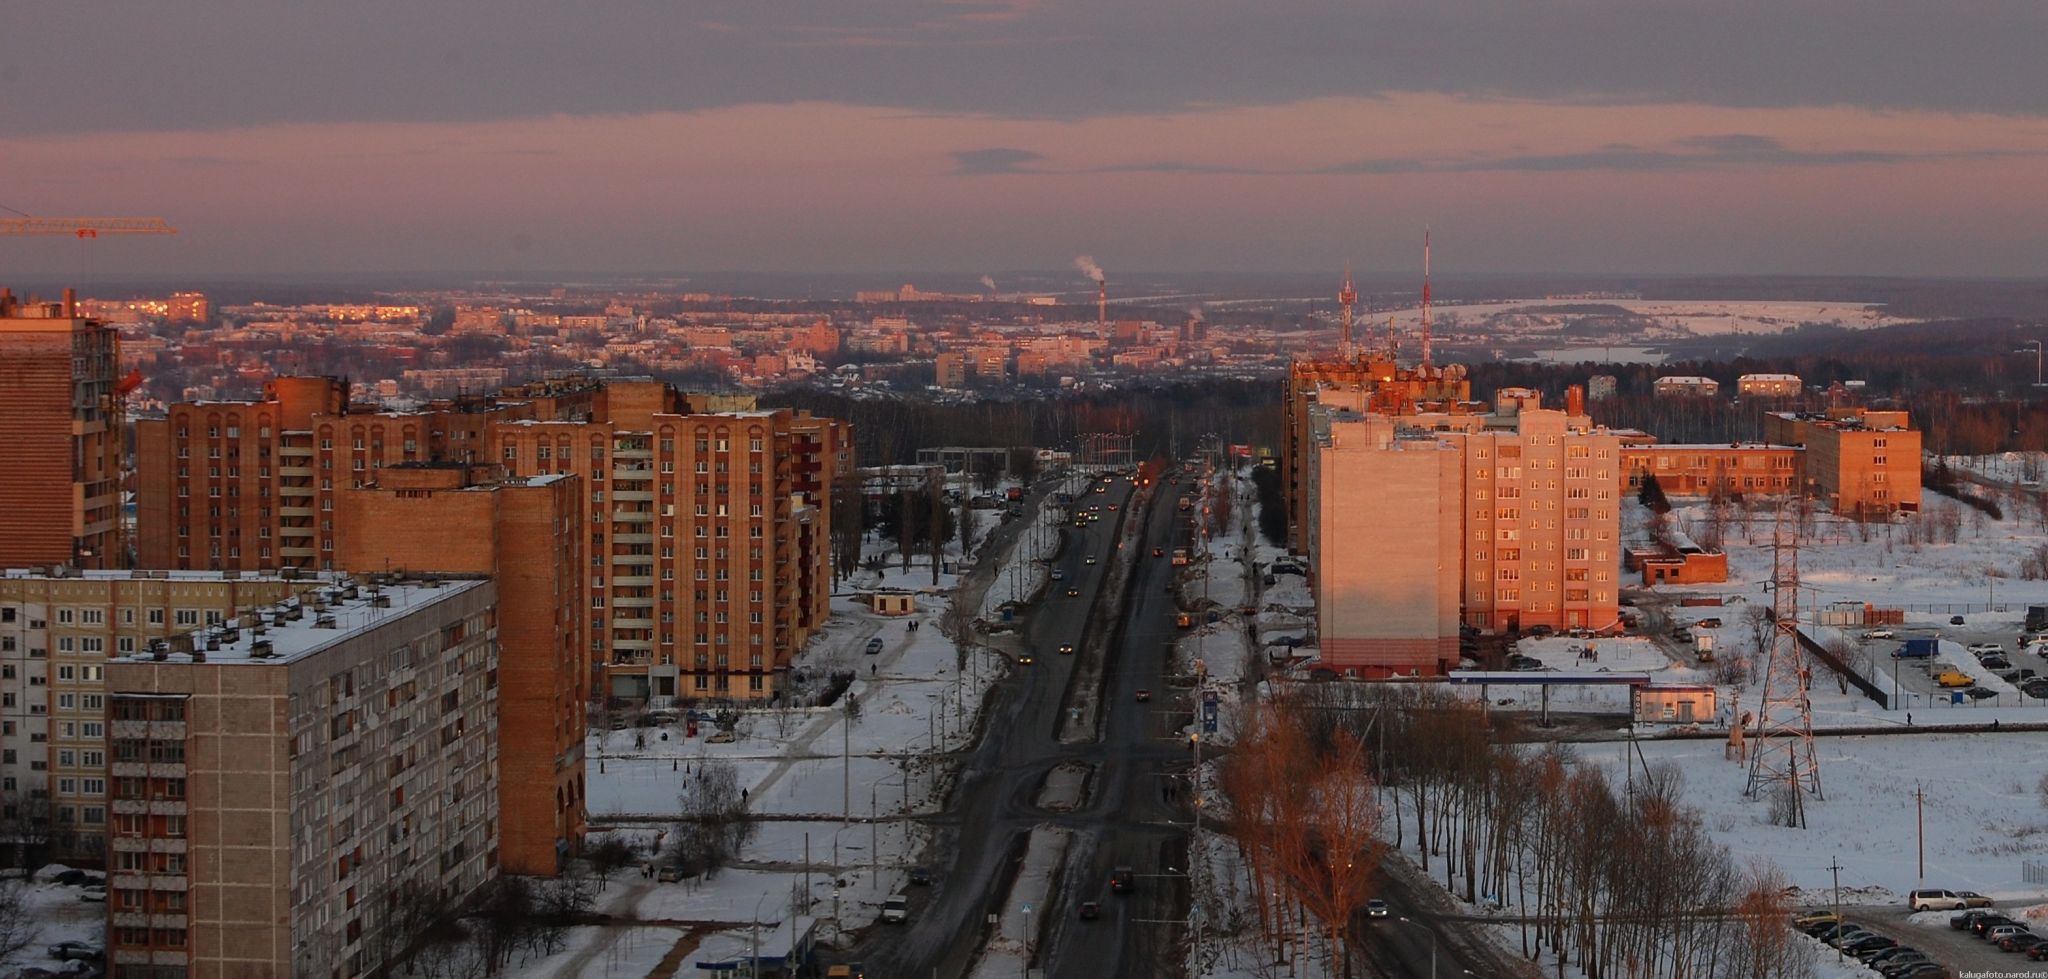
1770,377
75,574
295,629
1688,379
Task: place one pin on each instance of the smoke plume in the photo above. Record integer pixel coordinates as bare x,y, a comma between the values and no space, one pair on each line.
988,282
1086,263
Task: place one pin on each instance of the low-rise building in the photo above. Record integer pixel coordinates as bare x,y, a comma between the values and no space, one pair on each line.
1681,386
1860,461
1718,470
1768,385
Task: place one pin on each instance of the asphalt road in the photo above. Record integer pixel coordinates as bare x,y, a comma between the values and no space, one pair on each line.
974,854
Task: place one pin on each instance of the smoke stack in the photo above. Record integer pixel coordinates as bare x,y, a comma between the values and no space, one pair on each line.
1102,306
70,302
1348,298
1575,400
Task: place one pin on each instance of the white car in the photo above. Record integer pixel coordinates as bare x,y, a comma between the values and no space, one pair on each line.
896,910
1984,648
1880,634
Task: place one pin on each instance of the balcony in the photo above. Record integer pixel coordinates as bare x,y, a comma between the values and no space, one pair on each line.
634,538
288,451
636,559
632,601
295,472
633,496
297,511
633,581
623,623
288,489
633,516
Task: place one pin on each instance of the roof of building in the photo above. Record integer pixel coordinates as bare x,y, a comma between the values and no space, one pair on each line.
1770,377
1688,379
295,629
76,574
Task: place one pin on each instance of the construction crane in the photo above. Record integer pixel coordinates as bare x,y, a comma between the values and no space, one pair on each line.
15,227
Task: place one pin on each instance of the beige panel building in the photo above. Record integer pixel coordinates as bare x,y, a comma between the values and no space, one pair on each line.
1545,524
282,785
57,632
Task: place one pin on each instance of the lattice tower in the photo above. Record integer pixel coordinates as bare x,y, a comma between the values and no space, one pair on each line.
1782,752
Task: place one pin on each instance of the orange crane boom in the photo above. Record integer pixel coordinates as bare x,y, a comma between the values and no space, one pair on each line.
14,227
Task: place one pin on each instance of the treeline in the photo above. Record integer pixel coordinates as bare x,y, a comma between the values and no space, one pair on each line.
1617,880
890,430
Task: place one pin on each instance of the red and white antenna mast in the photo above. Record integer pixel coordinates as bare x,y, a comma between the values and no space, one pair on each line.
1425,297
1348,298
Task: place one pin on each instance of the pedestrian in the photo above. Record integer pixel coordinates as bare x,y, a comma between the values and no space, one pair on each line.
1909,718
1994,724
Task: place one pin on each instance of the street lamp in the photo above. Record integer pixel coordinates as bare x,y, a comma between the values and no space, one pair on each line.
2037,362
1432,946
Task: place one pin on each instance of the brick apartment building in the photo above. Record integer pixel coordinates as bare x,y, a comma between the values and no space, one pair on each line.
528,535
1861,461
60,436
57,632
278,789
1503,521
1715,471
709,522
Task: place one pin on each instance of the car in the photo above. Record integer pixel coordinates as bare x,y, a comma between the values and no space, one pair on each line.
1848,936
1996,661
1058,575
1123,880
1523,664
920,877
2038,953
1809,920
1988,922
1376,908
1867,944
1102,487
1709,623
1159,552
1090,910
1024,659
1979,693
1090,559
94,895
1955,620
1066,649
1962,921
1920,970
83,951
1954,678
1073,593
1144,696
2020,942
1984,648
1112,508
1907,965
1935,899
1996,933
670,874
1880,634
1894,954
896,909
874,646
1540,631
2036,688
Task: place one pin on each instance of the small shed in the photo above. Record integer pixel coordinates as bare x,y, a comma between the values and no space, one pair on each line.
1674,703
892,602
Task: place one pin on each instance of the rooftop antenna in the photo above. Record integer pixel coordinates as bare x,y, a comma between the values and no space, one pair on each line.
1348,298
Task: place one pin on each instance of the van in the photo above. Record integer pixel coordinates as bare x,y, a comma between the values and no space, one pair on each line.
1935,899
896,910
1954,678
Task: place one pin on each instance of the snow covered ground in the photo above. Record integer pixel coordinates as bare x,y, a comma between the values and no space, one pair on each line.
57,914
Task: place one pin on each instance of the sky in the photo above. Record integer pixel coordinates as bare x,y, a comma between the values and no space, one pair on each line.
968,136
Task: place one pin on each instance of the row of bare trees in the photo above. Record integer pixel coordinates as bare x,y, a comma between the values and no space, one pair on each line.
1617,880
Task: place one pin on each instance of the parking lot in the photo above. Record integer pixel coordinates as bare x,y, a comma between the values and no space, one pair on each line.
1917,676
1958,950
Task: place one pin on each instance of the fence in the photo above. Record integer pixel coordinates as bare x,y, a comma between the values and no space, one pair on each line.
2034,871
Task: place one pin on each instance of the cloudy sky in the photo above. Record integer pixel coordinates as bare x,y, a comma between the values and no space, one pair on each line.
1806,136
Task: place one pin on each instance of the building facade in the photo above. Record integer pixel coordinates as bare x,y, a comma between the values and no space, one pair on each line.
1716,471
528,535
61,437
57,632
1859,461
1367,383
285,789
709,524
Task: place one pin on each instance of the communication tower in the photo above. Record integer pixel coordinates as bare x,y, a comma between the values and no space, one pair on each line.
1782,754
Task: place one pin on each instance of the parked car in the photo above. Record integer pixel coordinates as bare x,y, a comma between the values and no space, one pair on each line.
670,874
1972,899
1850,936
1811,921
1998,933
1868,943
896,909
2038,953
84,951
874,646
1935,899
1988,922
1376,908
1954,678
1880,634
1996,661
1916,964
1523,664
1963,921
920,877
1895,955
95,895
2020,942
1955,620
1123,880
1981,649
1979,693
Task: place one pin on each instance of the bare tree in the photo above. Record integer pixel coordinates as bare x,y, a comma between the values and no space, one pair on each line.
17,925
714,825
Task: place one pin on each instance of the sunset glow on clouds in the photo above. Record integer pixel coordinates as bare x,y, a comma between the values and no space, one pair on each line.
1510,181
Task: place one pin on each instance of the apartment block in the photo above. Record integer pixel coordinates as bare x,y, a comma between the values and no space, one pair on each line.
61,437
1384,560
57,631
1503,521
528,535
727,507
1368,383
286,784
710,556
1860,461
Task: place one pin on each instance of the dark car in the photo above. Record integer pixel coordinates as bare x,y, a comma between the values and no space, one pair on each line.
67,951
1995,662
1090,910
920,876
1066,649
2020,942
1523,664
1123,880
1966,919
1144,696
1955,620
1979,693
1869,943
1988,922
2038,953
1916,964
1159,552
1073,593
1024,659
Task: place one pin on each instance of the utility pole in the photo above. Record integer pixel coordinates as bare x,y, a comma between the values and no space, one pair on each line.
1835,867
1920,827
